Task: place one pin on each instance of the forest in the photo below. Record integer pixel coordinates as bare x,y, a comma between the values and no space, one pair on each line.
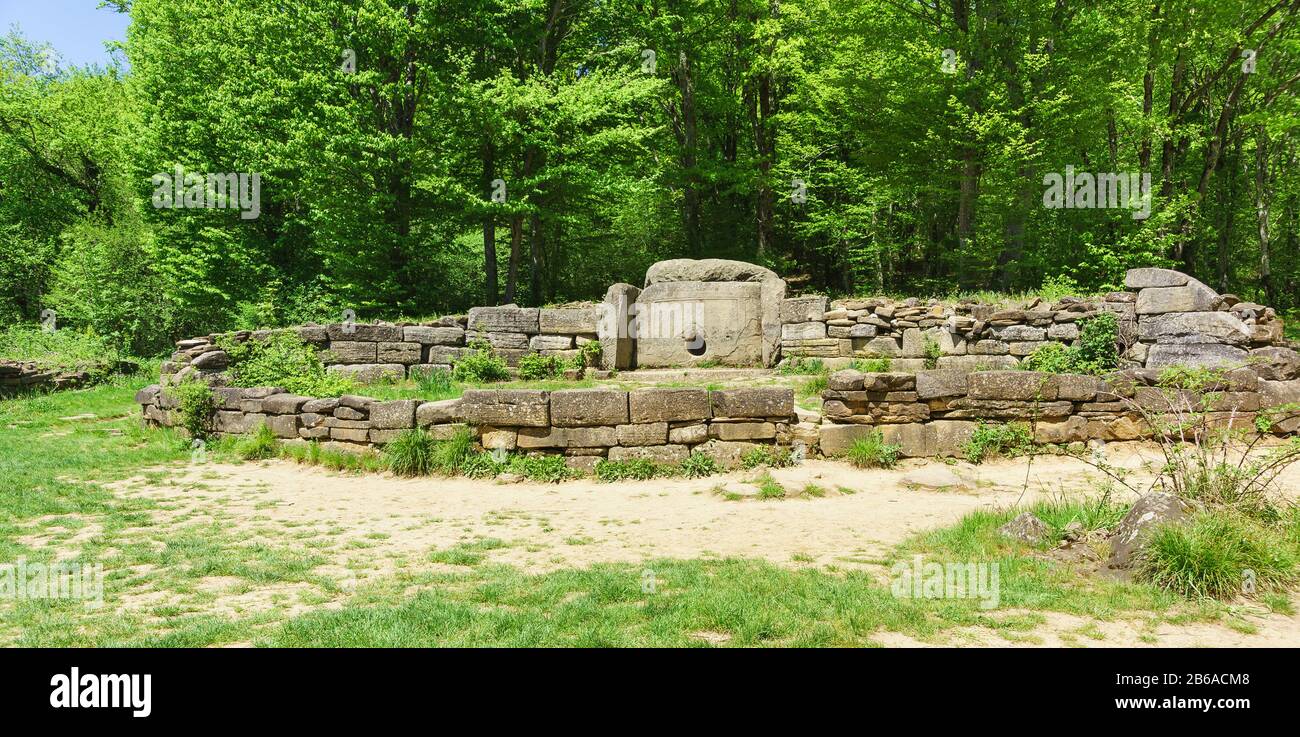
405,159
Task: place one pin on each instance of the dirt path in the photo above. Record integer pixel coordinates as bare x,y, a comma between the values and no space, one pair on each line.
380,523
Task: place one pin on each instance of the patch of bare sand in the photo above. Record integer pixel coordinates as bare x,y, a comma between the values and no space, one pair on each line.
578,523
374,525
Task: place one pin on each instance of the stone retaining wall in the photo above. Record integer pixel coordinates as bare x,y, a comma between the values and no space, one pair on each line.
660,424
933,413
373,352
1166,318
22,376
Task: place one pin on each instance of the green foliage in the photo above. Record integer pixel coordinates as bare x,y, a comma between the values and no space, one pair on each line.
872,365
1054,288
633,469
538,367
480,364
590,354
282,359
544,468
435,383
933,352
260,445
991,441
801,366
1096,351
1098,344
1216,554
698,465
873,452
771,456
769,488
412,453
60,349
197,406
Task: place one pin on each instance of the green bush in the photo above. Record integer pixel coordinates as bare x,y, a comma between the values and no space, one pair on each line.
699,465
480,364
1216,554
933,352
538,367
450,455
1096,351
411,453
590,353
482,465
545,468
258,446
65,348
197,406
872,365
766,455
799,366
872,451
282,359
635,469
989,441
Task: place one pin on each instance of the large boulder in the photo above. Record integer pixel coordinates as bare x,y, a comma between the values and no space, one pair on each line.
1026,528
1194,297
1150,511
1147,278
1194,327
1275,363
1210,355
706,270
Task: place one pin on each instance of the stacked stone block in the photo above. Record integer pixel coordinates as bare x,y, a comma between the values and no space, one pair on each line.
663,425
19,376
1166,318
371,353
934,413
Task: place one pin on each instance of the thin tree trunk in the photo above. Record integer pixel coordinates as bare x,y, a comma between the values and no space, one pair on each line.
490,290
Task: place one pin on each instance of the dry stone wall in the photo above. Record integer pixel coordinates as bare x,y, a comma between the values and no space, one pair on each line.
934,413
21,376
663,425
382,351
1165,318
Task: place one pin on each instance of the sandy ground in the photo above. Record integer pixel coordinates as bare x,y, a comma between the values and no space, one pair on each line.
380,522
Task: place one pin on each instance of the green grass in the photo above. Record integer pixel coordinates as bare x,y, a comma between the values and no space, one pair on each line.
59,349
54,469
1218,554
872,452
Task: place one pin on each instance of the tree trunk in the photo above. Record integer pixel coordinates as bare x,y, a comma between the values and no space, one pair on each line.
490,290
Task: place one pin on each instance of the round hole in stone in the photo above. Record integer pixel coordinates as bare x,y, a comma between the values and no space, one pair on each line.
696,346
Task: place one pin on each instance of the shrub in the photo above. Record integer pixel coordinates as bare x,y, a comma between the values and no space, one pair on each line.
537,367
1216,555
258,446
989,441
480,364
1056,287
545,468
799,366
411,453
282,359
635,469
766,455
872,451
197,406
482,465
1096,352
589,354
933,352
1098,348
872,365
698,465
65,348
1052,358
